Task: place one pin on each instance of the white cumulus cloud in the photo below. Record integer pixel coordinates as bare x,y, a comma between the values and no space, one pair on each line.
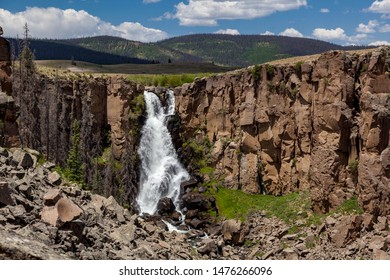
385,28
367,28
208,12
267,33
291,32
382,7
330,34
138,32
60,24
338,34
228,31
380,43
324,11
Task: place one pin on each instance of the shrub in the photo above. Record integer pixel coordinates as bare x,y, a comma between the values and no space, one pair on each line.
270,71
298,68
353,166
256,74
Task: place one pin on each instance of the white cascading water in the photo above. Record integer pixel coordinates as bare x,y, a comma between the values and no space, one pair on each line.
161,171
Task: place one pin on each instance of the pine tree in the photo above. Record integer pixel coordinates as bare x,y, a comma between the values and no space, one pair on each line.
25,85
27,66
74,164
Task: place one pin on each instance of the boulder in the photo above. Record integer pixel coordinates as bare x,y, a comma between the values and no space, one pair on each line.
290,254
380,255
124,234
346,230
378,243
5,194
189,184
24,159
18,174
48,165
197,223
114,209
54,178
67,210
25,189
194,200
17,247
193,213
49,214
165,205
233,232
18,211
62,212
3,152
207,246
381,224
51,197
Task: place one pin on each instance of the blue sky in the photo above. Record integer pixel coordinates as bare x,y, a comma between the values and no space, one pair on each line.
344,22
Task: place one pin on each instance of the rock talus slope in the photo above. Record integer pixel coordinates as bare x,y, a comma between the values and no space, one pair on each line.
44,217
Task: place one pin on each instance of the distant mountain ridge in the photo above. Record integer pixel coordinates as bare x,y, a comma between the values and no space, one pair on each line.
221,49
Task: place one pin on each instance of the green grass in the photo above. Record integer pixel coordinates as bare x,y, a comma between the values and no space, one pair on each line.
348,207
207,170
165,75
168,68
165,80
235,204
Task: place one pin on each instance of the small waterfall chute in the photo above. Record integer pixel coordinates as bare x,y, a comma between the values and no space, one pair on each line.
161,172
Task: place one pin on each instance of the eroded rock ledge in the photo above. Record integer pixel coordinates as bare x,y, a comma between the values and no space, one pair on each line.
320,125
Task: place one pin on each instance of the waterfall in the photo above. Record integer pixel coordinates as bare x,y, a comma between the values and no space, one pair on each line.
161,172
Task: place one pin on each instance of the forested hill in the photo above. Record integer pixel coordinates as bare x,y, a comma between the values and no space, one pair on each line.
65,50
243,50
226,50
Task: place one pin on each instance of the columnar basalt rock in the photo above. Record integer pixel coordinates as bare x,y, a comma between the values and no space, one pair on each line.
5,66
101,110
8,111
319,125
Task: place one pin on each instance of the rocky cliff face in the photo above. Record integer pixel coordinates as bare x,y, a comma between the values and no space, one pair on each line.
5,66
320,125
101,106
107,127
8,113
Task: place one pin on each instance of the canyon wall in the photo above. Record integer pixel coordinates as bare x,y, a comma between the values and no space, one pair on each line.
107,128
320,125
8,125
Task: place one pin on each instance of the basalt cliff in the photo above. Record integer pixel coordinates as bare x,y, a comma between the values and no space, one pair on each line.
319,126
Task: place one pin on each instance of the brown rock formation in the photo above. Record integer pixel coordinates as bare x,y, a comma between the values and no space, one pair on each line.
321,125
5,66
102,108
98,104
8,115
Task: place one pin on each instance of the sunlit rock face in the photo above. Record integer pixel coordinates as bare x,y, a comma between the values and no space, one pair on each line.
319,125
